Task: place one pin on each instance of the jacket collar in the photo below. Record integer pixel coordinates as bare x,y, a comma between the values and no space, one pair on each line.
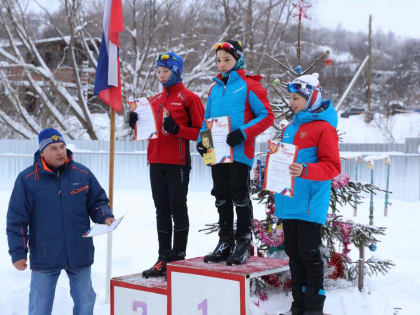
325,112
233,76
174,88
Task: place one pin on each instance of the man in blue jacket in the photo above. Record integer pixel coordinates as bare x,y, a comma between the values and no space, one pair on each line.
55,198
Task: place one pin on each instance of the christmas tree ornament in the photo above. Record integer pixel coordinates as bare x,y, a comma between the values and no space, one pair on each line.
372,247
276,82
298,69
328,61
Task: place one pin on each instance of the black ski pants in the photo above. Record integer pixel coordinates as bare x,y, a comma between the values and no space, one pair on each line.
302,240
231,188
169,188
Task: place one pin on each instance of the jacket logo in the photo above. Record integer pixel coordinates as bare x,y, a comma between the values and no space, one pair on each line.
303,134
177,104
237,90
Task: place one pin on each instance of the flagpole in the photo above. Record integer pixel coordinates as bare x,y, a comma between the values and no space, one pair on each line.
111,200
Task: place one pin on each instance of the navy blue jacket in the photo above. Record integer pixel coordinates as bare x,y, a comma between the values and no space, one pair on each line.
56,209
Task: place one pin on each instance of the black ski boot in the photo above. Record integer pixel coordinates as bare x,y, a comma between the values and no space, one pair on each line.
314,301
240,254
298,300
158,269
220,253
176,255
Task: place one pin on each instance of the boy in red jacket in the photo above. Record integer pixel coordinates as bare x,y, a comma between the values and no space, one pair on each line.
179,113
313,131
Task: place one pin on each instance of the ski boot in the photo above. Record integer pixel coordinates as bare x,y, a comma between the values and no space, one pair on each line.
220,253
158,269
241,252
176,255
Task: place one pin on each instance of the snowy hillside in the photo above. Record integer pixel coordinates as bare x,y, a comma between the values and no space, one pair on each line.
382,129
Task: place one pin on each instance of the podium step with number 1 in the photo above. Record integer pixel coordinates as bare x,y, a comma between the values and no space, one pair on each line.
192,287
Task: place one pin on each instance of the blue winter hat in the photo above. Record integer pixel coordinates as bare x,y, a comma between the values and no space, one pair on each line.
174,63
48,136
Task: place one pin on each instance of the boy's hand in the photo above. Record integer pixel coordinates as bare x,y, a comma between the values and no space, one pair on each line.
132,119
200,148
235,137
170,125
295,169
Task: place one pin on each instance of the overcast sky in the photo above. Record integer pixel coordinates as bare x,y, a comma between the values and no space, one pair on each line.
399,16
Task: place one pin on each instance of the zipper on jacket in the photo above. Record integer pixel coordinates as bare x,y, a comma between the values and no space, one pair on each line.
57,175
180,150
225,85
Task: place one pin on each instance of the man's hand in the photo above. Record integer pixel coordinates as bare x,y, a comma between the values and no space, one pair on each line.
20,264
235,137
109,221
132,119
295,169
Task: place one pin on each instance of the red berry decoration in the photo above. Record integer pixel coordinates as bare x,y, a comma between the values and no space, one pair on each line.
328,61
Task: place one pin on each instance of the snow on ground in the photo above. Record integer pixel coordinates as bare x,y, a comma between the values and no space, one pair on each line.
135,243
381,130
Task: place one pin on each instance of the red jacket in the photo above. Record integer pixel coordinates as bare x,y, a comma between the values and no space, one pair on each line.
188,112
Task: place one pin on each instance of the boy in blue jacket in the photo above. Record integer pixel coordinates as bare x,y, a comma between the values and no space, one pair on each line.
243,99
313,131
54,198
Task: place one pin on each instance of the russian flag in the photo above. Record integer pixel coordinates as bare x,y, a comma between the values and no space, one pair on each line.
108,78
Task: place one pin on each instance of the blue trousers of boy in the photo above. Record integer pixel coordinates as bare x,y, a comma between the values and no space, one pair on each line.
43,284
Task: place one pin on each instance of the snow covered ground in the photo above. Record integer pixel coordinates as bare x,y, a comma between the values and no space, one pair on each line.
393,129
135,242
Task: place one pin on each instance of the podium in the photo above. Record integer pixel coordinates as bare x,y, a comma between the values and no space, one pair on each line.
134,294
192,288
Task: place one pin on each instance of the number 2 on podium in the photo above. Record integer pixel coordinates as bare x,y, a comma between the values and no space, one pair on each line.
142,306
203,307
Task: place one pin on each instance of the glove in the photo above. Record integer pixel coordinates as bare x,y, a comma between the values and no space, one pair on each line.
235,137
200,148
132,119
170,125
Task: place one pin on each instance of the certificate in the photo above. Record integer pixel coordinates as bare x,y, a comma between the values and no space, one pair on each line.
99,229
220,128
146,123
277,178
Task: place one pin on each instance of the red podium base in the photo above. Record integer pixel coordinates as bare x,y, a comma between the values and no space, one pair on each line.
193,287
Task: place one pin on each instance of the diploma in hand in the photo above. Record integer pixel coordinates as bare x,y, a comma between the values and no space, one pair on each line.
277,178
146,123
219,128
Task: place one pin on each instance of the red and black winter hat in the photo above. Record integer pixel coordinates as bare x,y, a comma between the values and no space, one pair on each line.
233,47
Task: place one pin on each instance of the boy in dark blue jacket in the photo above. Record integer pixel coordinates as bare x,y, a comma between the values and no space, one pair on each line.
55,198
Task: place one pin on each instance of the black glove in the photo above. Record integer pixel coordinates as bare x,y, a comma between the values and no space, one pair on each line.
235,137
132,119
200,148
170,125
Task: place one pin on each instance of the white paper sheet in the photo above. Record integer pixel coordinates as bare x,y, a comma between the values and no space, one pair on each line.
146,123
277,178
99,229
220,128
